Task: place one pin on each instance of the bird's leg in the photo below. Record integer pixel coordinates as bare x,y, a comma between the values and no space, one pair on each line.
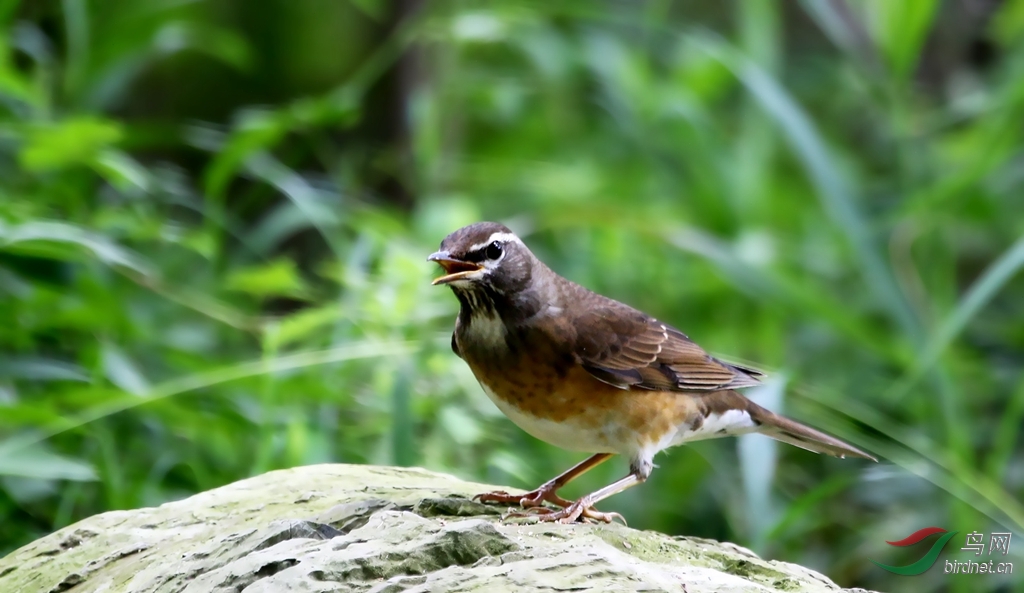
583,508
548,490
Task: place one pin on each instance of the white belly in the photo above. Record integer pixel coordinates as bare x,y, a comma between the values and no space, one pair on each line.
730,423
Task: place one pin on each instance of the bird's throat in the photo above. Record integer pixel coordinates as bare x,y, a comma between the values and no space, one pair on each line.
481,324
476,301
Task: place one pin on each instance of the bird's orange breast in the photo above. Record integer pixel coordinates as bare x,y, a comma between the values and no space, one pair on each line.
553,398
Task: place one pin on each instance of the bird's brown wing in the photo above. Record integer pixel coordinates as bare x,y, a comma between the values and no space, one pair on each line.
626,348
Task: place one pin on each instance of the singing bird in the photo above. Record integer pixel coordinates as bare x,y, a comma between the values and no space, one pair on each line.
587,373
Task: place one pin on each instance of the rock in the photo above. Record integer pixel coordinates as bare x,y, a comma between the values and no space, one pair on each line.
344,528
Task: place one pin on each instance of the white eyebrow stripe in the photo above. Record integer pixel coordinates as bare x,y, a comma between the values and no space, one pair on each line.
499,236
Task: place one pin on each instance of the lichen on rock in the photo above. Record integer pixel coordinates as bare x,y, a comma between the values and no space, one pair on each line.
342,528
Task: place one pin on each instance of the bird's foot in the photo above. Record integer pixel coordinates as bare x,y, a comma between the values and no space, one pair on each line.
582,510
536,498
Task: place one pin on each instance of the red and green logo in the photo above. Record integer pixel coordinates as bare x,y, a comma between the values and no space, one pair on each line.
928,559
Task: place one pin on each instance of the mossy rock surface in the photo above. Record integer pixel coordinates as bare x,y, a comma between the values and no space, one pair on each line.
338,528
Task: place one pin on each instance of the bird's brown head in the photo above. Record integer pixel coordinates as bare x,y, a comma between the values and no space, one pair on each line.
485,256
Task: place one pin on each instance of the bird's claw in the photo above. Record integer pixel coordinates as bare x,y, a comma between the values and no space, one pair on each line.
580,510
498,496
536,498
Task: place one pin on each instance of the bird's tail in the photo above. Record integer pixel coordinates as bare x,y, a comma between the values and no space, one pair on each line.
790,431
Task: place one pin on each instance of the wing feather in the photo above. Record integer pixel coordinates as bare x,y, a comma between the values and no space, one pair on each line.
626,348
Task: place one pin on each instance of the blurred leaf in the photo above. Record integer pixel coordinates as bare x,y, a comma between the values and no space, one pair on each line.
200,241
705,76
404,451
806,504
832,187
513,465
307,199
26,491
209,378
256,131
1007,24
8,8
478,27
837,19
40,369
74,141
277,278
122,171
260,129
122,371
901,28
299,326
978,295
37,461
1007,435
78,27
277,225
758,456
53,239
216,42
42,270
375,9
13,83
921,456
462,427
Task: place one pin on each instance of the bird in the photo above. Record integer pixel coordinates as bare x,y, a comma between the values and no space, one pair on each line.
587,373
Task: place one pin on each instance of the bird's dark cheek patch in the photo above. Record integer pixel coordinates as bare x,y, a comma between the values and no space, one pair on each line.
475,256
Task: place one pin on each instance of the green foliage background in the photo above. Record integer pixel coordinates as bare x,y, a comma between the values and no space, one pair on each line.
214,217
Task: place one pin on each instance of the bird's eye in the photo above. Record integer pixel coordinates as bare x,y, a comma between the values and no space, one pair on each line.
493,250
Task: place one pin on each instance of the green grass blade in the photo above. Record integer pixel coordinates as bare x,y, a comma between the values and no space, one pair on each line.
832,189
1006,435
921,456
28,458
977,296
213,377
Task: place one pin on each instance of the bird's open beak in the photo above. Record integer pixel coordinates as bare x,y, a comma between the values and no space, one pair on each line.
456,268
